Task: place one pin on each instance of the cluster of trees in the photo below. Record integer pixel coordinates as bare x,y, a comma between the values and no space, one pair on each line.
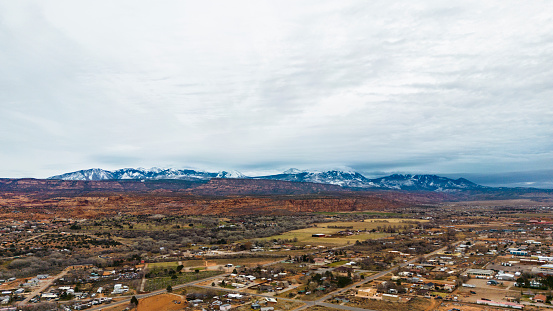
329,281
209,232
405,245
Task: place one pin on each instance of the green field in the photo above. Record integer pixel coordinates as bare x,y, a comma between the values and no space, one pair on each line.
304,236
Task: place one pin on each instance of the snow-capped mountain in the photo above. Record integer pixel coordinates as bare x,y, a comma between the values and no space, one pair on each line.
423,182
231,174
344,179
333,177
137,174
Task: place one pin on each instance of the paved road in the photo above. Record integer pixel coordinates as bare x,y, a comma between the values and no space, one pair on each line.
307,304
321,300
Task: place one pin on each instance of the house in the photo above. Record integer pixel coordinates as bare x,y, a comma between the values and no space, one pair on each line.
505,276
31,283
235,296
119,289
539,298
271,300
429,286
320,261
225,307
49,296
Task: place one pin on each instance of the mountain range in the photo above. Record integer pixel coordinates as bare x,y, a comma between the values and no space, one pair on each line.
333,177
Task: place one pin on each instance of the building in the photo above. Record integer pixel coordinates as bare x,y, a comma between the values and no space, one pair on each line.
505,276
479,273
367,293
539,298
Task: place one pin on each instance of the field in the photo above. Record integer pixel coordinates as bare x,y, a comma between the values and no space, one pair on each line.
163,282
304,236
215,263
415,304
163,302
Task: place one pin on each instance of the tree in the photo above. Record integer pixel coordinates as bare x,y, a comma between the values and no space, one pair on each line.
169,288
343,281
134,301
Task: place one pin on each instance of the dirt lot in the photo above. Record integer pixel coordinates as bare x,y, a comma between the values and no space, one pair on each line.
497,293
465,307
416,304
163,302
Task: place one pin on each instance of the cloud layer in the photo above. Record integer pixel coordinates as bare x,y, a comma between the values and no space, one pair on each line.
432,86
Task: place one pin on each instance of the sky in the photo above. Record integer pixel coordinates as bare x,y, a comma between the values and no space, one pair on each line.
442,87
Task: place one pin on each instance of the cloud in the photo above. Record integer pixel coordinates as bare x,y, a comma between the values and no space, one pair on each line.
460,86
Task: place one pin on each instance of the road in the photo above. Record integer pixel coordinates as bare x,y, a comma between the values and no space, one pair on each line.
46,283
320,301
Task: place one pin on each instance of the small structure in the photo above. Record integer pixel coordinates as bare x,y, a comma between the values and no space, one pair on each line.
367,293
318,235
539,298
225,307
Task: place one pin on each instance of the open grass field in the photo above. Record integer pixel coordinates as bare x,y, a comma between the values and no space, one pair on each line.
304,236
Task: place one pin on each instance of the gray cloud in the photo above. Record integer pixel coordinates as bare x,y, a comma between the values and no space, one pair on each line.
432,86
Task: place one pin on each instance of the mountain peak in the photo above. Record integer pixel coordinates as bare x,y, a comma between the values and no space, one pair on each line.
293,170
231,174
349,179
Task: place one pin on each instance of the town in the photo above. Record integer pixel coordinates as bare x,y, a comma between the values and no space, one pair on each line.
420,259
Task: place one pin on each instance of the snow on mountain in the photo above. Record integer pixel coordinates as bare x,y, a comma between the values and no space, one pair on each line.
136,174
334,177
90,174
423,182
231,174
344,179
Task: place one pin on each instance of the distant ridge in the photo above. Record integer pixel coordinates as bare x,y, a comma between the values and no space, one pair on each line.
333,177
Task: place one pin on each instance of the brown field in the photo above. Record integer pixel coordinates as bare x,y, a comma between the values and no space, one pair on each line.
163,302
415,304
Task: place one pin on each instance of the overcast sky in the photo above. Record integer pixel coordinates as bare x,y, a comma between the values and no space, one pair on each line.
261,86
